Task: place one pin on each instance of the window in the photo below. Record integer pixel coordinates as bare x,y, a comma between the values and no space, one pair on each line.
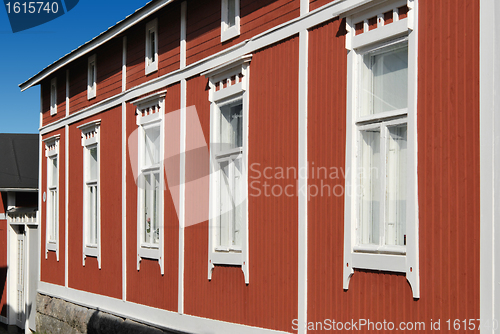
91,191
53,96
228,240
381,223
230,19
51,197
149,112
91,78
152,46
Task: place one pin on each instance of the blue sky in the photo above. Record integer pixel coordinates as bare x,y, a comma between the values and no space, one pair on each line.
23,54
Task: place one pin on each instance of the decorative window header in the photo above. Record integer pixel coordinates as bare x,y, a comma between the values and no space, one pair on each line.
51,145
90,132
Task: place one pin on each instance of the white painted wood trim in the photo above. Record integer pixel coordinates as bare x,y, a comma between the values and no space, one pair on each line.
393,30
124,64
304,7
124,201
489,163
182,194
183,34
283,31
66,202
94,43
67,93
302,182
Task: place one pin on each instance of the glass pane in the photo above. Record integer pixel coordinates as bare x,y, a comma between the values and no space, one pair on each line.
238,199
231,126
395,229
92,74
92,216
370,187
385,80
93,163
231,13
156,205
226,206
152,51
152,146
53,180
147,208
53,215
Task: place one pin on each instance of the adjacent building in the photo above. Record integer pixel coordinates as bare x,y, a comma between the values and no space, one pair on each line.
237,166
19,247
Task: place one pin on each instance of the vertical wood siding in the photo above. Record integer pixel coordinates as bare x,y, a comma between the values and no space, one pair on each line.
52,271
270,300
109,276
147,286
169,22
448,178
204,23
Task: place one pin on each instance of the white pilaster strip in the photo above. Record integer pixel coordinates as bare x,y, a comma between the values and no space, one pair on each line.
182,171
124,64
302,279
124,200
67,93
66,201
489,162
41,190
304,7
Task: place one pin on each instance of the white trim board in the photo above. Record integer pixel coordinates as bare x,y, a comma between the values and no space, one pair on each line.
489,163
283,31
148,315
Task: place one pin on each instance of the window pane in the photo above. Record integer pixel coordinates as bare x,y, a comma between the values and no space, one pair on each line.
370,187
147,208
156,205
226,206
238,199
395,233
152,146
231,13
152,51
385,80
92,216
92,74
53,215
231,126
93,163
53,166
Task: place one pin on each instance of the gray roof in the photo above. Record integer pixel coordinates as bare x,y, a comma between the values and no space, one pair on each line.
18,161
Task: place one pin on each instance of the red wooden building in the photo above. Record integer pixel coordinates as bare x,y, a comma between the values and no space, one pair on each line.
241,166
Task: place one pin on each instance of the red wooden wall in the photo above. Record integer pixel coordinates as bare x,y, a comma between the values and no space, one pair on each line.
204,23
109,276
270,300
448,177
169,25
52,271
147,285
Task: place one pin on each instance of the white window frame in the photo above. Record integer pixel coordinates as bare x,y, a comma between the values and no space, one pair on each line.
150,113
383,258
91,77
228,32
91,139
53,96
52,152
232,92
151,66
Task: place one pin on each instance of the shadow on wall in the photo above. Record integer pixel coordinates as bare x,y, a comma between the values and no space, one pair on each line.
3,284
105,323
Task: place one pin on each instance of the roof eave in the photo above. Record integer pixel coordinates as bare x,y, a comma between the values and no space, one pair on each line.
112,32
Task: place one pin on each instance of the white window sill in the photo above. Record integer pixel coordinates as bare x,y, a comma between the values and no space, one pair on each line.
153,67
149,252
91,94
91,251
383,262
52,246
396,250
230,33
227,257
